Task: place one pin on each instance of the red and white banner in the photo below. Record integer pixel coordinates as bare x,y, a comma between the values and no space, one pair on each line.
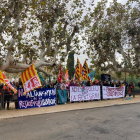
30,79
113,92
88,93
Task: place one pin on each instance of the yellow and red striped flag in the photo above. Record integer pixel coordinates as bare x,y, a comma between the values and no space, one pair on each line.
5,81
77,70
30,79
85,71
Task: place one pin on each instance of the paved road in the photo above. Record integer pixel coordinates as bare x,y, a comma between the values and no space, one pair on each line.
107,123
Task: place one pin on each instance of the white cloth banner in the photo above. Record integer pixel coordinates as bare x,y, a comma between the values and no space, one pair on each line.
113,92
89,93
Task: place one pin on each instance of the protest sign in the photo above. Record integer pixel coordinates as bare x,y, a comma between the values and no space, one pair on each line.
105,77
89,93
62,94
36,98
113,92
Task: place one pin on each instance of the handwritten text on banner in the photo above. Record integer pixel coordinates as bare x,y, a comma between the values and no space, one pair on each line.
113,92
36,98
89,93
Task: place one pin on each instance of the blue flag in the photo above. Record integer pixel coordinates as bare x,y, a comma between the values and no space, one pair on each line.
62,95
92,75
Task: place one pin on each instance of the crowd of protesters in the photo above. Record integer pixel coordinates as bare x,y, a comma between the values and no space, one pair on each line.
9,95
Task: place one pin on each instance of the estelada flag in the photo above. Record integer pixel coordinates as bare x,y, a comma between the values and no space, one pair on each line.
5,81
30,79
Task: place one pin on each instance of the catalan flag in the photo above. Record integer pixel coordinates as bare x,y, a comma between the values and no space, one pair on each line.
81,71
77,71
30,79
5,81
77,76
85,71
1,76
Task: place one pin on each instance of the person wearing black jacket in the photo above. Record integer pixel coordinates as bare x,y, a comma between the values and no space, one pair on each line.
7,96
126,86
118,84
88,83
114,84
106,83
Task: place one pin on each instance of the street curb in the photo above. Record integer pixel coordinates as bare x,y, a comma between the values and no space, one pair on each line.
67,110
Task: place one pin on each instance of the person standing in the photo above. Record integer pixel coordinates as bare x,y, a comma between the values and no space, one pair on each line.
1,94
118,84
130,88
71,84
7,96
16,95
126,86
114,84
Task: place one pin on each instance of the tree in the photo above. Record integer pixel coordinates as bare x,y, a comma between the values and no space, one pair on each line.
70,64
39,31
114,37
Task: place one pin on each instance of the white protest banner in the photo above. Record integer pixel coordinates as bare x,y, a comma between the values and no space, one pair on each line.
89,93
113,92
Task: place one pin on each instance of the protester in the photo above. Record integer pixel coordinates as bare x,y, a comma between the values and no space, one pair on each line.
66,84
7,96
51,85
58,85
78,84
130,88
114,84
63,86
20,85
71,84
15,98
43,85
1,95
126,86
118,84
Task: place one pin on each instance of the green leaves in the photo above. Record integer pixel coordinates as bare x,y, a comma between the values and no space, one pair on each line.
109,34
